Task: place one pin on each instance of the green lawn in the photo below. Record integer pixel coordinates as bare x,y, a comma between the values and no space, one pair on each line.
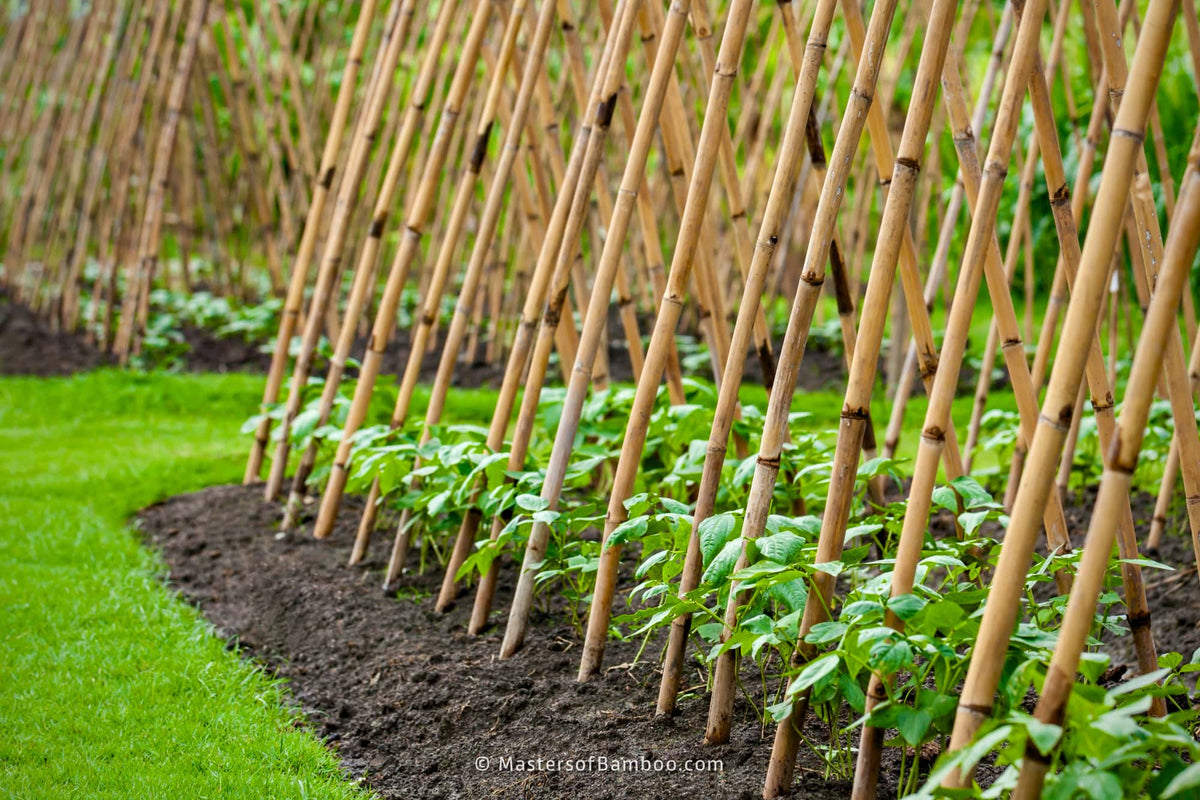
113,687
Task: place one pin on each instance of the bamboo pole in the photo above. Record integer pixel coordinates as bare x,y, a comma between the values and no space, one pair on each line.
939,268
365,271
800,129
999,612
672,304
613,78
1154,344
364,134
308,240
419,213
484,235
151,230
527,353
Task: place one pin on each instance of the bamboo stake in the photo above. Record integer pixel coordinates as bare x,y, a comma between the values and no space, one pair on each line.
801,121
365,271
308,240
939,269
151,231
613,78
364,134
1115,485
420,210
999,612
484,235
544,275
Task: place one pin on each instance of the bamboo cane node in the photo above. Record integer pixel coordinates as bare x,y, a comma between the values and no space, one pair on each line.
1136,137
1139,621
977,710
1062,423
1192,500
862,414
1012,342
377,226
769,462
996,169
604,112
813,278
934,434
904,162
479,151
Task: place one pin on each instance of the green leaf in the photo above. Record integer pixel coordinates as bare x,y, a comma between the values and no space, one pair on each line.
674,506
972,493
906,606
723,563
1043,735
781,547
815,671
532,502
1186,781
825,632
629,529
714,533
913,724
971,520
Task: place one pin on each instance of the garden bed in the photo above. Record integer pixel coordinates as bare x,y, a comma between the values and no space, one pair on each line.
412,703
409,699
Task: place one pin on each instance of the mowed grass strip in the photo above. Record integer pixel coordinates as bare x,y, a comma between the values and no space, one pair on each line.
113,687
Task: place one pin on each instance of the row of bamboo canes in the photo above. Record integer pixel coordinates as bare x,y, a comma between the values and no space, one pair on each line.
490,127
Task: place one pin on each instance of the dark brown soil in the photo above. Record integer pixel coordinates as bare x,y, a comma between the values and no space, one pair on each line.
411,702
29,347
1171,596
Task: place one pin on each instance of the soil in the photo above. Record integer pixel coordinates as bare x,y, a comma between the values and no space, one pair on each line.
412,703
29,347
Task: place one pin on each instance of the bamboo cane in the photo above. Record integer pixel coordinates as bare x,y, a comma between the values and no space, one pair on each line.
308,241
364,134
999,613
685,252
419,212
484,235
801,121
364,273
1149,238
1115,485
525,351
938,270
151,230
617,226
913,533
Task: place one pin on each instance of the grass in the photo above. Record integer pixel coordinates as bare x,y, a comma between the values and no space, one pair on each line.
114,687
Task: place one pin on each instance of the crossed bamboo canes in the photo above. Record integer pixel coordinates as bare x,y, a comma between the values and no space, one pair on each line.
326,286
294,299
800,131
1159,335
604,104
420,210
1000,611
485,232
368,260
